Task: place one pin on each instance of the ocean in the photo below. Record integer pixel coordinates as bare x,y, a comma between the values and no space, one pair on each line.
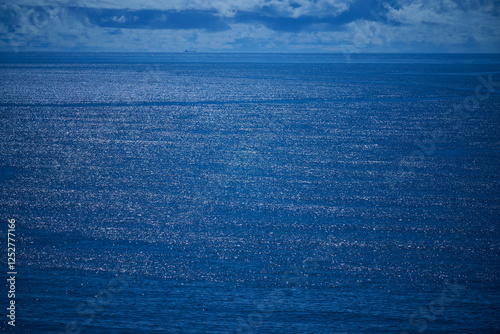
250,193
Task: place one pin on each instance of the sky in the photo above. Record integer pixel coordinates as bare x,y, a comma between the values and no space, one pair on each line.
351,26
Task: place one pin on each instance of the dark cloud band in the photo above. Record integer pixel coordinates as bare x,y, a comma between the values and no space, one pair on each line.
209,20
151,19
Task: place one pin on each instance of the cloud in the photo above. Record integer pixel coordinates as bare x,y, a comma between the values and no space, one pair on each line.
293,8
122,19
252,25
149,19
446,24
25,27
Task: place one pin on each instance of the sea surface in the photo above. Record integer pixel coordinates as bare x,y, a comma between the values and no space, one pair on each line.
251,193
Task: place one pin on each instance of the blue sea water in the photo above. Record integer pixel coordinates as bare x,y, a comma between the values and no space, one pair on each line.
251,193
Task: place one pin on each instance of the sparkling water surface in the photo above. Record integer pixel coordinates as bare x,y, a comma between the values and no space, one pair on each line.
252,193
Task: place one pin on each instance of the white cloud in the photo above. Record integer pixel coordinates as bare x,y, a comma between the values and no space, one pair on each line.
422,25
443,22
292,8
31,28
121,19
297,8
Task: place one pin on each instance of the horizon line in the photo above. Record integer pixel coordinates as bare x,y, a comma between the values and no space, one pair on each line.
244,52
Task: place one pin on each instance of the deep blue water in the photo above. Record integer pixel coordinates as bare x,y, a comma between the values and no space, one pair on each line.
240,193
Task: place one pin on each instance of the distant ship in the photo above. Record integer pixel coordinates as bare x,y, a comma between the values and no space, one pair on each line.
189,51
